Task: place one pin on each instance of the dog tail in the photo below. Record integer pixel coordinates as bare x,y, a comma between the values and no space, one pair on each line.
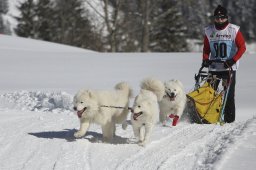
156,86
125,87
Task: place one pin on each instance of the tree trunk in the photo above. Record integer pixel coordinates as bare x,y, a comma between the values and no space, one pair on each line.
145,25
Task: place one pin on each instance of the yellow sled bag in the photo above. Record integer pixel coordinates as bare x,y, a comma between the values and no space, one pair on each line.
204,104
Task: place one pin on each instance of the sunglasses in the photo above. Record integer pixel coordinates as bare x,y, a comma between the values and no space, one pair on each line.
220,17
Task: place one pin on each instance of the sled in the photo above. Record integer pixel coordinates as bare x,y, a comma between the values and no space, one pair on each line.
205,104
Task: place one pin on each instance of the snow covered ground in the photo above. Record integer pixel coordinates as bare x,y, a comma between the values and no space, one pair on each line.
37,84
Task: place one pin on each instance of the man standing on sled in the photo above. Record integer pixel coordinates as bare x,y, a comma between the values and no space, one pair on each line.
223,42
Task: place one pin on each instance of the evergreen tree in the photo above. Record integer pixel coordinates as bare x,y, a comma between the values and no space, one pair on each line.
27,20
195,16
44,21
1,24
3,6
71,24
62,21
129,24
134,25
168,32
3,10
240,13
253,31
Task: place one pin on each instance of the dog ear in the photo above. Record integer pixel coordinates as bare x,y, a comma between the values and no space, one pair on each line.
180,84
165,84
143,91
91,95
177,81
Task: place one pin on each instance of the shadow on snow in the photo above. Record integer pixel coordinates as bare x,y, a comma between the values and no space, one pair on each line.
67,134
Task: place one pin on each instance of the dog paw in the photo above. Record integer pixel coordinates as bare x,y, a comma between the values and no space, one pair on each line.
166,124
78,134
107,139
142,143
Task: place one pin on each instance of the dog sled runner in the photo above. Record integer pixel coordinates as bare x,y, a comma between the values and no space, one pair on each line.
206,103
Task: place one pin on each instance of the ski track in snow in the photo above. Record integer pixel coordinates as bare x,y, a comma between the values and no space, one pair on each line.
177,150
44,140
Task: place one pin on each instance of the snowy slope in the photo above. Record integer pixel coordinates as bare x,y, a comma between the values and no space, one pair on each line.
39,79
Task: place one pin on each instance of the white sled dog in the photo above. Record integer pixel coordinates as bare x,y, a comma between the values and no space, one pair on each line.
106,108
173,103
145,110
172,100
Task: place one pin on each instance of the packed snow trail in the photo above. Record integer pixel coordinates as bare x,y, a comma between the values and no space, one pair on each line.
44,140
195,146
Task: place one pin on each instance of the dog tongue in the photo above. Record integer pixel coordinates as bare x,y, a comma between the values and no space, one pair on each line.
79,113
136,115
172,98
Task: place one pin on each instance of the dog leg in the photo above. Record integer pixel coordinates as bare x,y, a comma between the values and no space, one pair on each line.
108,131
124,125
147,134
83,129
162,117
172,119
136,131
176,118
142,133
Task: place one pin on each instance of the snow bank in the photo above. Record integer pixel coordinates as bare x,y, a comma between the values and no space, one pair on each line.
37,101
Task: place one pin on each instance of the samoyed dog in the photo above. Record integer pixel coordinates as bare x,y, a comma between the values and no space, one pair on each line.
172,99
173,103
145,110
106,108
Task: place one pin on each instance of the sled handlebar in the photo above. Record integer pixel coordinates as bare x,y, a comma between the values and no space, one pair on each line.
203,74
214,61
217,61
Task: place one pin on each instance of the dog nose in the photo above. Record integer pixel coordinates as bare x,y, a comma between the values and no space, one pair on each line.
75,108
172,94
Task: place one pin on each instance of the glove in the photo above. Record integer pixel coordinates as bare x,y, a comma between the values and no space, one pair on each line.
229,63
206,63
